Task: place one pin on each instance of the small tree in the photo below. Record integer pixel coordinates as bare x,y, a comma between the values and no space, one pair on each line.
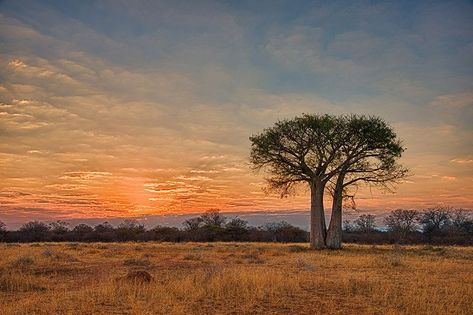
165,233
35,231
129,229
401,222
104,227
213,219
237,229
285,232
347,226
434,221
365,223
192,224
462,221
237,224
59,227
131,225
458,217
82,229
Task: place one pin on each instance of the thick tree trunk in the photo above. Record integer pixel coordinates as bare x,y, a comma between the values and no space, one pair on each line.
317,217
334,234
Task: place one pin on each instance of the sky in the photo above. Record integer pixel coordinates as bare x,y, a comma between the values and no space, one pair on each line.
135,108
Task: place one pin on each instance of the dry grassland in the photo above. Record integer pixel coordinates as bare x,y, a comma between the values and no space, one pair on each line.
233,278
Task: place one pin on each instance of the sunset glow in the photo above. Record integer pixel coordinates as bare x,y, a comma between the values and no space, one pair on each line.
131,108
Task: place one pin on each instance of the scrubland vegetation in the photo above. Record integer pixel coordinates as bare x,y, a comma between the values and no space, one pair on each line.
263,270
233,278
440,226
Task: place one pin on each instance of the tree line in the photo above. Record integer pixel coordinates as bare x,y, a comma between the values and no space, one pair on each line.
440,225
437,225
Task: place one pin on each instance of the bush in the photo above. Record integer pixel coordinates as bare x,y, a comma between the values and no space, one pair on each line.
139,276
23,262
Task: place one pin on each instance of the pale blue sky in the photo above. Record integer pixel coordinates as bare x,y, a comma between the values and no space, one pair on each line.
89,86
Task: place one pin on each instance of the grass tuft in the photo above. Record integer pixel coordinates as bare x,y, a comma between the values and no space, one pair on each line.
23,262
137,262
297,249
305,265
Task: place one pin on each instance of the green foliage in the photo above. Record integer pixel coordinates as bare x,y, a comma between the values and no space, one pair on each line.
320,148
294,151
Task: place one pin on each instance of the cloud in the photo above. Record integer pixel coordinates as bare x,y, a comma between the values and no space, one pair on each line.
147,107
455,109
193,178
462,161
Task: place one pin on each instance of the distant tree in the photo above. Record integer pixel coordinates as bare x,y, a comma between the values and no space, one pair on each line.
347,226
290,233
166,234
462,221
213,219
434,221
237,229
35,231
365,223
467,227
104,227
401,222
82,229
129,229
192,224
284,232
59,227
212,226
237,224
273,227
459,217
131,225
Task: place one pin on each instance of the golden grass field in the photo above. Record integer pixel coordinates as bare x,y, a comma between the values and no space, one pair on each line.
233,278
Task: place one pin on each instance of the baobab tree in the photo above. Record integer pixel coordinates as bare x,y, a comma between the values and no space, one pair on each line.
317,150
300,151
369,150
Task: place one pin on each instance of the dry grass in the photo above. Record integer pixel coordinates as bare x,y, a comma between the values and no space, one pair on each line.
233,279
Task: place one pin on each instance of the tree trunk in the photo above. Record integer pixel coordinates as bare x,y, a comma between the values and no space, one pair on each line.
334,234
317,218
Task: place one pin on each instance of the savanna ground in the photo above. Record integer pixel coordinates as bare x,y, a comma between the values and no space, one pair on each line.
233,278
